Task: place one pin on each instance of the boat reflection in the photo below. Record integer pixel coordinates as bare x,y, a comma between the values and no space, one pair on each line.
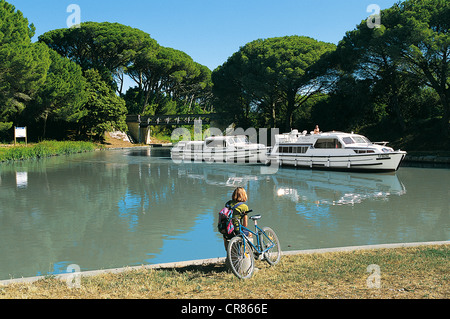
319,187
221,174
337,188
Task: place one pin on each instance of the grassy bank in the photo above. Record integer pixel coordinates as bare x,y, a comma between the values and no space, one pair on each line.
416,272
44,149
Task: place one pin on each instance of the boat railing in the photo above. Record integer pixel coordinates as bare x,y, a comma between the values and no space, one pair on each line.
381,143
285,138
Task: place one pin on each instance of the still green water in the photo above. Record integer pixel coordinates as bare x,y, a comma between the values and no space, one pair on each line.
131,207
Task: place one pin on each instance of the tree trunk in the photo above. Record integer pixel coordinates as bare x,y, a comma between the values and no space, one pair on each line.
446,113
121,83
274,115
290,109
45,124
396,107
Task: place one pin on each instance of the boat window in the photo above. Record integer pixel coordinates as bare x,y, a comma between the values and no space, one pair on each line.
327,143
196,147
360,139
241,139
215,143
348,140
292,149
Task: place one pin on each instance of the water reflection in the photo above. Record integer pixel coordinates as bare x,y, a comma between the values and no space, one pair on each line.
21,179
221,174
140,152
130,207
322,187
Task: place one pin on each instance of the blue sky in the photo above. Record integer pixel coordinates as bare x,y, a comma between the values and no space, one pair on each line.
209,30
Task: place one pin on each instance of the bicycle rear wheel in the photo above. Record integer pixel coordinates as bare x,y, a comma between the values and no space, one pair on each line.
273,255
240,258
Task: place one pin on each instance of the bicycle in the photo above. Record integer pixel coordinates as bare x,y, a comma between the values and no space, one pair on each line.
242,252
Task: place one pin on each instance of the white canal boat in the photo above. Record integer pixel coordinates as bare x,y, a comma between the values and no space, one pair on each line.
230,149
334,150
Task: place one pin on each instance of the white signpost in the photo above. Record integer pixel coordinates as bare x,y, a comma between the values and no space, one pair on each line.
20,132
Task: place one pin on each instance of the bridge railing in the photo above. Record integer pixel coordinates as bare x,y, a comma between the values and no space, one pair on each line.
184,119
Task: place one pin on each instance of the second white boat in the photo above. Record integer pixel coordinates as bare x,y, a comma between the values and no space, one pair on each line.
334,150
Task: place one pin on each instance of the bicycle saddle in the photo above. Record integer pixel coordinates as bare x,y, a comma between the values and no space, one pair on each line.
255,217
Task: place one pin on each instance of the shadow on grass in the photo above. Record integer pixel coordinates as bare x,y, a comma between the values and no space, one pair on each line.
205,269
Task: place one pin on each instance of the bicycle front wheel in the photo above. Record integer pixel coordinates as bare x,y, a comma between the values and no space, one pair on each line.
240,258
273,255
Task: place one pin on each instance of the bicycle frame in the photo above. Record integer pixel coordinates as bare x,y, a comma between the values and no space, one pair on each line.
241,258
258,233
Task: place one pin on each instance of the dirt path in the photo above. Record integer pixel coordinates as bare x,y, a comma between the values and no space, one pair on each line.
113,140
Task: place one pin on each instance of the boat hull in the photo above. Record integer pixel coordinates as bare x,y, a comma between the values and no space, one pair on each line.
256,156
358,162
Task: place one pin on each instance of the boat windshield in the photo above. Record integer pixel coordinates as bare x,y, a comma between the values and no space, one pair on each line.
215,142
355,139
360,139
241,139
348,140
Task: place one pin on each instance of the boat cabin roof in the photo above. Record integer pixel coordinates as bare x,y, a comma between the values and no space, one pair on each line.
226,137
212,140
296,137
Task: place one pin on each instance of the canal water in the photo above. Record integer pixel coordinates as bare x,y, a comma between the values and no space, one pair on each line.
132,207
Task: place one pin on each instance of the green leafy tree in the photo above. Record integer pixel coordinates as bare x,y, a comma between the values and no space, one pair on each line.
107,47
231,96
23,65
104,111
13,25
420,29
407,53
167,73
271,77
63,93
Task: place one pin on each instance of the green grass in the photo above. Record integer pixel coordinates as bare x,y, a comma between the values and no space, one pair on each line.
405,273
44,149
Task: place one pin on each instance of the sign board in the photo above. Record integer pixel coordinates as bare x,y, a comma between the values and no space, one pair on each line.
20,132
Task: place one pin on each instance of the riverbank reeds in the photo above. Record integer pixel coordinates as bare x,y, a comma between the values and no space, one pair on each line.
421,272
45,149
